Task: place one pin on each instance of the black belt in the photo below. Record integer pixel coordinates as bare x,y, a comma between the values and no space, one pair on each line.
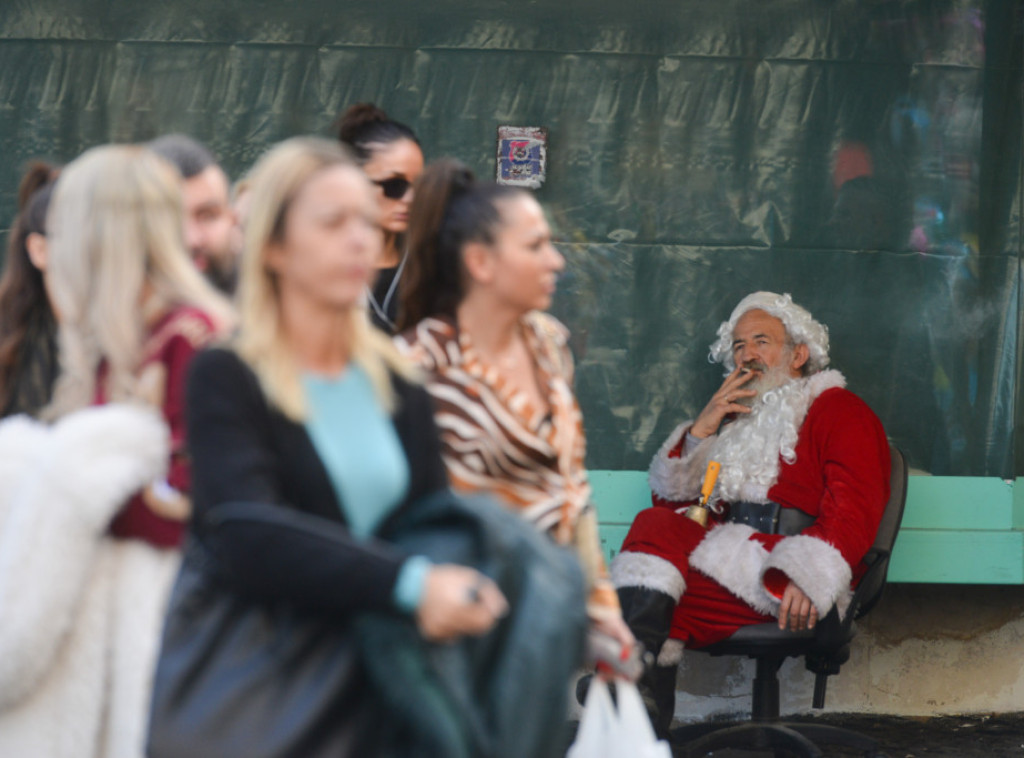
770,518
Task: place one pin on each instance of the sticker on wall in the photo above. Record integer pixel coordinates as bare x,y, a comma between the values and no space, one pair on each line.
522,155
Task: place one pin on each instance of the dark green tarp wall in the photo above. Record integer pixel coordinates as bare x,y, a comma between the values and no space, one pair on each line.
863,155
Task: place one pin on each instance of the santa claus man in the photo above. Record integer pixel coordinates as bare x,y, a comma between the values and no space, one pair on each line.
796,449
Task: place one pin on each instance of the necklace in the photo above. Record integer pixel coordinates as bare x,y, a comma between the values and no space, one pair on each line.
381,309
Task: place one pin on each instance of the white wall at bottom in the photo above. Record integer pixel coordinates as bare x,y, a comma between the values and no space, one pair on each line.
924,650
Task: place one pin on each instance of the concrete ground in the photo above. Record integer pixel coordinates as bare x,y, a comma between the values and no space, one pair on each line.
976,736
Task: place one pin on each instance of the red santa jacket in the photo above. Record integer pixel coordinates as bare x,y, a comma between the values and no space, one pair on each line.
840,476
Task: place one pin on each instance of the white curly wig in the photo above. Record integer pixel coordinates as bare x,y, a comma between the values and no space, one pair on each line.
800,326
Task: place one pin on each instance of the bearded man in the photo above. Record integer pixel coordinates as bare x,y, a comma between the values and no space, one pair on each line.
209,218
796,449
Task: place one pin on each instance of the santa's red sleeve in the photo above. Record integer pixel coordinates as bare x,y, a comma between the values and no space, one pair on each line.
847,444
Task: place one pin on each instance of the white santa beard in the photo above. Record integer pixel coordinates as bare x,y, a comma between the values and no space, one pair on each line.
765,380
750,447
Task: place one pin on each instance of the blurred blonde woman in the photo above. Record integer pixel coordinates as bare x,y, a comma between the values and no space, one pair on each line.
133,309
95,503
308,433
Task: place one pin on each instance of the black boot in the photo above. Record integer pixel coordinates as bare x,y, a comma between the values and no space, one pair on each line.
648,613
658,689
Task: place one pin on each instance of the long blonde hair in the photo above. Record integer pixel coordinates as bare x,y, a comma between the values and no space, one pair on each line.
274,183
115,231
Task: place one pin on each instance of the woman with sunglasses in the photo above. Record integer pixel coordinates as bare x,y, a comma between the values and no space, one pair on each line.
392,159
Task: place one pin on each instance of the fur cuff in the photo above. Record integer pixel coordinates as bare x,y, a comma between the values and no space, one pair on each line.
671,653
817,568
678,479
632,569
735,561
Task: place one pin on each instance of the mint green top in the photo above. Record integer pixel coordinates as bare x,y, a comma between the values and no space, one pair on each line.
364,459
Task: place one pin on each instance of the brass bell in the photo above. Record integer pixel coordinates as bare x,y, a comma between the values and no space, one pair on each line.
700,512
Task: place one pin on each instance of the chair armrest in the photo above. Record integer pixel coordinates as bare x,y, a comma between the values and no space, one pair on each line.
833,632
869,589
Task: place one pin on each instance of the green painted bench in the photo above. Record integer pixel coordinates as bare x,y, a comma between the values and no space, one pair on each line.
956,530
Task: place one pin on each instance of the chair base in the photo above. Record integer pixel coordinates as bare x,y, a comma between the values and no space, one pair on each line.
777,737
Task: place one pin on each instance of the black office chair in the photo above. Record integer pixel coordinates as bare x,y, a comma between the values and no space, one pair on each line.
825,649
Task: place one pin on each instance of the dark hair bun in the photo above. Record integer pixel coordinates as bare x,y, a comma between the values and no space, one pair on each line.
364,126
354,122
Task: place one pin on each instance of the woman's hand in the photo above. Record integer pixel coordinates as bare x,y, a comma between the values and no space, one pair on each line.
616,628
626,662
458,601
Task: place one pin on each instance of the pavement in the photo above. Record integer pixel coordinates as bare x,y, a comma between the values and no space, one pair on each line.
975,736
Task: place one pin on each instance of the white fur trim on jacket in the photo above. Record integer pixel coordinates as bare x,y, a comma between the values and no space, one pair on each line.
53,514
817,568
824,380
735,561
680,478
630,569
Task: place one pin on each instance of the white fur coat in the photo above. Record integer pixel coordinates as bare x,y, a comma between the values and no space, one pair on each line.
80,613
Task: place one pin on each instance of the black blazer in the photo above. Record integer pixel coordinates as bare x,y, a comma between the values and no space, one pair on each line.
246,452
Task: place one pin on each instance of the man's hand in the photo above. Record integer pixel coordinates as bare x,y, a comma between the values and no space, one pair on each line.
796,610
723,403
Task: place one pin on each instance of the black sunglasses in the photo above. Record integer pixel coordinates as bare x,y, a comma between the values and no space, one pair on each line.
395,187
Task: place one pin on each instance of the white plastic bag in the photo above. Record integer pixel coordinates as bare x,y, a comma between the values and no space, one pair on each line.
607,732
